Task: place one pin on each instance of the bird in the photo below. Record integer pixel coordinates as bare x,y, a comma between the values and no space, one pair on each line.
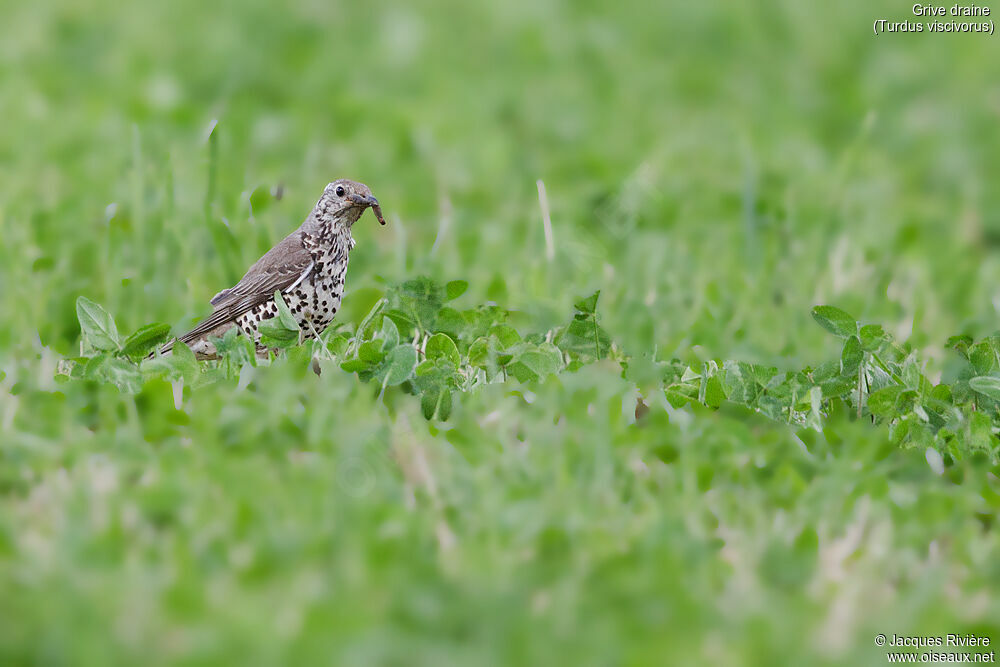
308,267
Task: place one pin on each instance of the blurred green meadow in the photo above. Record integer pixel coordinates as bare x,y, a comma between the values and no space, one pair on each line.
714,168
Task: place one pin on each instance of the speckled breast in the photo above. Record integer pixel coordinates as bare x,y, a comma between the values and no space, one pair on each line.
314,300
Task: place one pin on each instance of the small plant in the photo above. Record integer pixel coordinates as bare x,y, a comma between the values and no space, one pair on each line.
415,340
411,339
875,377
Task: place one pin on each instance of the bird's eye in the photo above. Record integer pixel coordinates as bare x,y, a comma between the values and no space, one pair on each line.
340,191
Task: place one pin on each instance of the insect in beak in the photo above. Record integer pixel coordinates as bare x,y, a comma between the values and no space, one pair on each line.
368,201
377,211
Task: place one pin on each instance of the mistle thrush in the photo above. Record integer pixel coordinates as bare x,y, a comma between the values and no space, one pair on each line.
308,266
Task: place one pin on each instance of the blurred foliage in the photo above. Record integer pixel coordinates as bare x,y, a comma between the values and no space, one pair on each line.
713,168
441,350
874,377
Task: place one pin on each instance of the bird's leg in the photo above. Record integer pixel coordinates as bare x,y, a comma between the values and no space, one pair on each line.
326,354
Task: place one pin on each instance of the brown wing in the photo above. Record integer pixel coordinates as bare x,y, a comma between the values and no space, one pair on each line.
279,269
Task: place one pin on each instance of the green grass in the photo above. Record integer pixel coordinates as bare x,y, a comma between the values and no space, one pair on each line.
714,169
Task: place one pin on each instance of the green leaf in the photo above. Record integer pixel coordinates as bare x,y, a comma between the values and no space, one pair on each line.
536,362
93,368
981,432
273,333
425,367
338,344
441,346
419,300
852,356
74,368
584,339
522,372
180,364
157,367
97,325
355,365
554,354
145,340
835,321
680,394
960,343
235,351
455,289
815,418
377,308
476,322
284,314
839,387
123,374
281,331
390,334
941,394
983,358
882,403
371,351
541,363
444,405
451,322
399,364
436,402
872,336
479,352
759,373
987,385
406,322
184,361
588,305
715,393
429,403
232,342
506,335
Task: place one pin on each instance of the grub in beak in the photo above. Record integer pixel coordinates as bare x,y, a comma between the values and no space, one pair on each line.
377,210
366,202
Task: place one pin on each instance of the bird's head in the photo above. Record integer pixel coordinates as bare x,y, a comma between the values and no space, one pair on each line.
343,202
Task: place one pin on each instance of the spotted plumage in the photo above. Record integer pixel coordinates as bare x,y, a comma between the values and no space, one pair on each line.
308,267
316,298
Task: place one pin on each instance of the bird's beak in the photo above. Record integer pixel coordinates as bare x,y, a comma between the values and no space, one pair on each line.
361,200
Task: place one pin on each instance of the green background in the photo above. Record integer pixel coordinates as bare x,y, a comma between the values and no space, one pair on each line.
715,168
